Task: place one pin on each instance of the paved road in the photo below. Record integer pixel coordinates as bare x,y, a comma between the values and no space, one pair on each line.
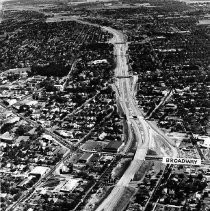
69,74
129,107
142,129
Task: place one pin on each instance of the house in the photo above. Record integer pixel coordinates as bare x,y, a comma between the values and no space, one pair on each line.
22,138
6,137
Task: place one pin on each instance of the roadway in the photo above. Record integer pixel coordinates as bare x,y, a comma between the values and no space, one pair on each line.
130,110
142,129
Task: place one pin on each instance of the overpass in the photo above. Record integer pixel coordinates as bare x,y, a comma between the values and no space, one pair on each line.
123,76
119,43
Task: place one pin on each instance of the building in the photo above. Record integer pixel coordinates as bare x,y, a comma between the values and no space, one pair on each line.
59,87
39,171
6,137
206,140
113,146
100,61
70,185
86,157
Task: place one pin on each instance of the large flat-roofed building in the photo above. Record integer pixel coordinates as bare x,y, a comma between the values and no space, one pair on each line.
70,185
39,171
86,157
113,146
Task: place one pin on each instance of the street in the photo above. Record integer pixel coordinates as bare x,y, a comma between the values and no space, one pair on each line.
139,124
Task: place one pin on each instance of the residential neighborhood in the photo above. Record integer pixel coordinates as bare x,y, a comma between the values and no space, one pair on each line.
104,105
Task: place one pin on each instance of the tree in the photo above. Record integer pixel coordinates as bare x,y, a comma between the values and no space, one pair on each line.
21,130
6,127
23,108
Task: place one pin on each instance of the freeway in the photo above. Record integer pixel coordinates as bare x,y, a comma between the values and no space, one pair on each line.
138,124
142,129
125,97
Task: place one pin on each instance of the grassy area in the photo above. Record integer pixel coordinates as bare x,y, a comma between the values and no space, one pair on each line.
106,193
144,168
120,110
151,152
125,199
133,146
125,130
119,170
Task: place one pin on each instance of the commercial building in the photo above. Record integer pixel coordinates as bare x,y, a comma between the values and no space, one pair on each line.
113,146
39,171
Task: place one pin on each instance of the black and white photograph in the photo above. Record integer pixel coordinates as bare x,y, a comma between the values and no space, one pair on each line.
105,105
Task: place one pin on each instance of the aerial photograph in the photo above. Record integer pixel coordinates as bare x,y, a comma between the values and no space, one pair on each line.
104,105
